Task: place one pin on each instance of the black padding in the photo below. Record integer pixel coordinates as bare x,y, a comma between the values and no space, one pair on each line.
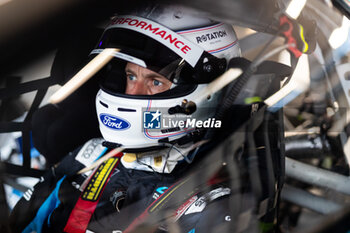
267,67
279,69
59,129
237,111
73,53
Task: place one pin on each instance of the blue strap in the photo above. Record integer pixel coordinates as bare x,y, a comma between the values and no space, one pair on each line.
45,210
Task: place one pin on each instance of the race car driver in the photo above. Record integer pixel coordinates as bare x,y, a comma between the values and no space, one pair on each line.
167,54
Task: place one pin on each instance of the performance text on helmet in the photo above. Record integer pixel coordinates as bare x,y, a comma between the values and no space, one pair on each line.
175,41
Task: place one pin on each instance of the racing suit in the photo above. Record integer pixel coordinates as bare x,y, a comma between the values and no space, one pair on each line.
125,196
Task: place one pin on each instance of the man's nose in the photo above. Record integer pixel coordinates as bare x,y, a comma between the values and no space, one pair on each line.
138,88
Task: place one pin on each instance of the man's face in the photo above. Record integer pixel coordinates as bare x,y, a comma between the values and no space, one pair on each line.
141,81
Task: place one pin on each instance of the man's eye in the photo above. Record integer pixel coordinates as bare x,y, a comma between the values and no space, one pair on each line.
157,83
131,77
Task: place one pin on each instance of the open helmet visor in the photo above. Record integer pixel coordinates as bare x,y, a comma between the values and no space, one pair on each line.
155,47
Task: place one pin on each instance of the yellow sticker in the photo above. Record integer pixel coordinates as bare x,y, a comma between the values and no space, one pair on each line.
158,161
129,157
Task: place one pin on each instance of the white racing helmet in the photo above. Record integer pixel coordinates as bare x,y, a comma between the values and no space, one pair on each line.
188,50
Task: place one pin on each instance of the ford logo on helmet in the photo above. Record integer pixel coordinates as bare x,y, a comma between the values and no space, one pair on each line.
113,122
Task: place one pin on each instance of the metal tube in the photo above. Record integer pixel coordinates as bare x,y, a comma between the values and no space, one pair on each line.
305,145
317,176
308,200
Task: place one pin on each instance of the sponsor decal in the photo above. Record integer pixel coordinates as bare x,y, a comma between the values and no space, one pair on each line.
215,38
180,45
161,189
219,192
152,120
211,36
28,194
114,122
90,151
117,199
197,207
94,188
201,203
90,148
155,196
181,210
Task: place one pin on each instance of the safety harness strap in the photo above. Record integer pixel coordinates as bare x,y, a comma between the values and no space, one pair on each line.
87,202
